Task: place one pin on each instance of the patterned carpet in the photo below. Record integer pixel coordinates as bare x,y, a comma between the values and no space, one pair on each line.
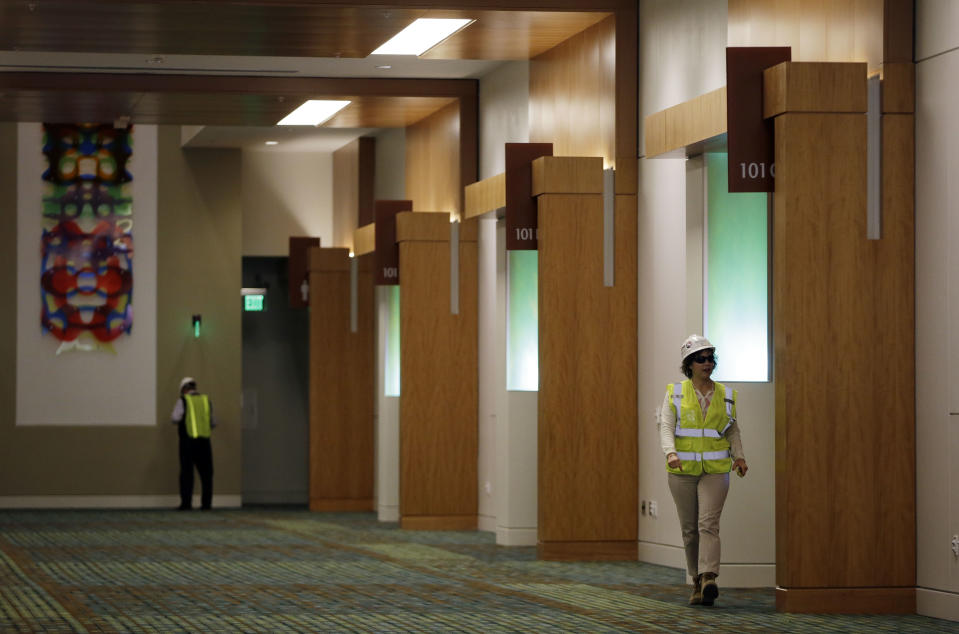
295,571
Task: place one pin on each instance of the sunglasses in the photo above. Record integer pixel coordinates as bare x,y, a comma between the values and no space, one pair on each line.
704,358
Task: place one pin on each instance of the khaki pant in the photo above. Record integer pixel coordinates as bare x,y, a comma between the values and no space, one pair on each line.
699,502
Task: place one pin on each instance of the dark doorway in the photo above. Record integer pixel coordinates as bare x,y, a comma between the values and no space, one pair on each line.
276,375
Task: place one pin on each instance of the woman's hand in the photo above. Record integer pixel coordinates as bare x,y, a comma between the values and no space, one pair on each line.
740,467
674,462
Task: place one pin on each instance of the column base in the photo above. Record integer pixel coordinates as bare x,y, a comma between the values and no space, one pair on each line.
588,551
846,600
438,522
345,504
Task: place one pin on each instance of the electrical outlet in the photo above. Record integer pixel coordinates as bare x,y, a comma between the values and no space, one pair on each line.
955,545
488,488
653,510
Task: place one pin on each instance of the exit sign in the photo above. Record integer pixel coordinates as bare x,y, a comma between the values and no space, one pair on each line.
254,302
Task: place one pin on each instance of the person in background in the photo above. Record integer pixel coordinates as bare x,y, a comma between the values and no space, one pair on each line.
700,438
193,416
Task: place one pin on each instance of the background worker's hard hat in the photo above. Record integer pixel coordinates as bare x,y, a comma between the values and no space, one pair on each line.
186,381
693,344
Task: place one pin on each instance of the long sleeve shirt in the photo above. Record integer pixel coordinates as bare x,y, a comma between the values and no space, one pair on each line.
667,426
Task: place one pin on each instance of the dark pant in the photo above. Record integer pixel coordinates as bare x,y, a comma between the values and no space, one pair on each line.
196,452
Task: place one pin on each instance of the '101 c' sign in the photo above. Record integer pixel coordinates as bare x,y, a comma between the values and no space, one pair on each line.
749,140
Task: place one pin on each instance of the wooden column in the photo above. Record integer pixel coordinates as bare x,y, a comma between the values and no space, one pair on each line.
844,349
341,383
587,367
438,376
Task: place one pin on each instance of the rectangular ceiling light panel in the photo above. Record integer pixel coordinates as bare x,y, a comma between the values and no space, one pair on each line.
421,36
313,112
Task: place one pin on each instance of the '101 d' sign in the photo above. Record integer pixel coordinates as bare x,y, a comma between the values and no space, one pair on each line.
749,140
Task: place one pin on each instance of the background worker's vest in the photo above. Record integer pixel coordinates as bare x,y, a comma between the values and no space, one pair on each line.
196,418
701,443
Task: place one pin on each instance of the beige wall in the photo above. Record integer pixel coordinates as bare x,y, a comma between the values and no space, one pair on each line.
504,114
285,194
198,246
937,307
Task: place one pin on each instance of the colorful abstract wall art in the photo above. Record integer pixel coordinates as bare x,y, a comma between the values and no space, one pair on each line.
87,240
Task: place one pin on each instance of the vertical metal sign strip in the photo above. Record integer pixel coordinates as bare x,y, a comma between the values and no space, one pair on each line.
354,293
455,268
609,225
874,160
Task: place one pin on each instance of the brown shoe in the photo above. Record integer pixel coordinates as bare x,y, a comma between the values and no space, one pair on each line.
696,597
710,589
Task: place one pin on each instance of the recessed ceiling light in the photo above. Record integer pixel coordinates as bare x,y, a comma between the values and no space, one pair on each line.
421,36
313,112
271,142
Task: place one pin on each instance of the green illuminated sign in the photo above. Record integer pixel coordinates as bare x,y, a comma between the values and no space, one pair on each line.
522,326
737,278
254,302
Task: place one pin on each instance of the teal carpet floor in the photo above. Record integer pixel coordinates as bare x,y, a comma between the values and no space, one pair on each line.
295,571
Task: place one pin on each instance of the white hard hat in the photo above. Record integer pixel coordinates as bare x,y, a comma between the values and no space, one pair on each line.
693,344
186,381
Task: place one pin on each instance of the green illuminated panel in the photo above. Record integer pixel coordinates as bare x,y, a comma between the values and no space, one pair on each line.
391,379
737,299
522,348
254,302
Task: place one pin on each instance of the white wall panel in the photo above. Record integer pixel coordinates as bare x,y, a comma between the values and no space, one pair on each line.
937,313
937,27
504,115
86,388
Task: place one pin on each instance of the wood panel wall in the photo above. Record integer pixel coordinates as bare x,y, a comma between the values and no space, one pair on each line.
844,360
341,383
572,94
583,95
438,372
433,179
353,174
587,366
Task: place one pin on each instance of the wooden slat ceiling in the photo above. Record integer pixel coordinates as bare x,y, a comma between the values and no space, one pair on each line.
270,28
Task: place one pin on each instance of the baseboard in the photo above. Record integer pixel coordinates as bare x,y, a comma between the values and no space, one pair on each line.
486,523
516,536
266,498
937,604
730,575
388,513
662,555
747,575
110,501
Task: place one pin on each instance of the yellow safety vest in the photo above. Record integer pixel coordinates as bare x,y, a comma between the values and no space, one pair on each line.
196,418
701,443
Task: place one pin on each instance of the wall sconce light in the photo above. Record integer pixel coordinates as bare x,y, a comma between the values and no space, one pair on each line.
196,326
